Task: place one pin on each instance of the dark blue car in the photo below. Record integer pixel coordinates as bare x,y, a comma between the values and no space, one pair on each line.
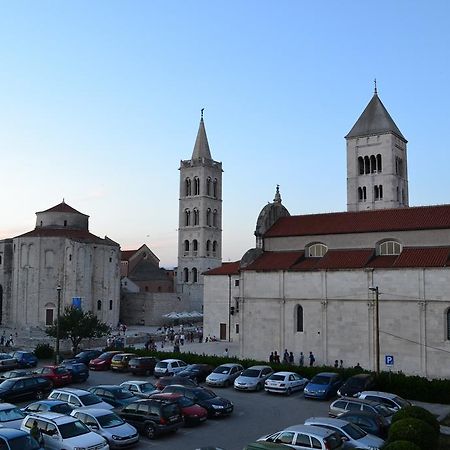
25,359
115,395
11,439
323,385
48,405
79,371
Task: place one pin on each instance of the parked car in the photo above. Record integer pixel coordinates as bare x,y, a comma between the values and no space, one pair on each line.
196,372
25,359
162,382
48,405
370,422
10,416
351,434
86,356
323,385
356,384
392,401
153,417
141,389
344,404
78,370
304,437
79,398
193,414
142,365
253,378
261,445
58,375
61,431
109,425
113,394
18,389
120,361
216,406
102,362
16,373
224,375
12,439
8,362
168,367
285,383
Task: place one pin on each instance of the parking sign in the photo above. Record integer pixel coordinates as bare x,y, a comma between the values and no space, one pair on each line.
389,360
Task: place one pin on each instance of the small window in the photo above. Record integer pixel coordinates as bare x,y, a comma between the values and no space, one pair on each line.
185,275
236,283
389,248
237,328
317,250
299,319
99,305
448,324
110,305
65,223
194,275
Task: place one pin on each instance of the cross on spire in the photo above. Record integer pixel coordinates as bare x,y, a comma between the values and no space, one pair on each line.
375,83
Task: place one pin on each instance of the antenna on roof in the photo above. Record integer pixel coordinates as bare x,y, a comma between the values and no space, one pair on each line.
375,83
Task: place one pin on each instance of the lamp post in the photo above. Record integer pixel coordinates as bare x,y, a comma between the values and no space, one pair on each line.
58,310
377,327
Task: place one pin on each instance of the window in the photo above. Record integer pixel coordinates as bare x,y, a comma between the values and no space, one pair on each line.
187,217
361,165
185,275
379,166
236,283
208,247
214,248
99,305
0,259
303,440
208,217
208,186
196,186
364,193
360,194
299,319
237,328
187,187
375,192
196,216
317,250
215,188
214,221
373,164
389,248
65,223
366,165
194,275
186,246
378,192
110,305
195,245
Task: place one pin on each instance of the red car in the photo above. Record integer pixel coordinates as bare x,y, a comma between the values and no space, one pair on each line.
58,375
103,362
192,413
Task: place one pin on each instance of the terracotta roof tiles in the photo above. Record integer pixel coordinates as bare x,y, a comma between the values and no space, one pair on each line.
228,268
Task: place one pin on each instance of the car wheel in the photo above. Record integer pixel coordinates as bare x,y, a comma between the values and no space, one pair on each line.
39,395
150,431
289,391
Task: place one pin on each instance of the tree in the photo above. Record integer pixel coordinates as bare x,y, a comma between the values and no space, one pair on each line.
76,324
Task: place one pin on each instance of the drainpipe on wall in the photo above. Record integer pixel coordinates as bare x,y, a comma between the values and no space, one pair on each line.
229,308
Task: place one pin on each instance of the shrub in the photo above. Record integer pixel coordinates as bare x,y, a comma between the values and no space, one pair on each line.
44,351
414,430
401,445
417,412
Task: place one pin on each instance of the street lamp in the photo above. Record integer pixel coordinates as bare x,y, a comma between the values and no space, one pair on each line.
377,328
58,310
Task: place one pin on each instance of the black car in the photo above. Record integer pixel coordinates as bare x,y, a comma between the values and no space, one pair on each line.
79,371
16,373
115,395
17,389
356,384
196,372
162,382
216,406
142,365
153,417
7,362
86,355
370,422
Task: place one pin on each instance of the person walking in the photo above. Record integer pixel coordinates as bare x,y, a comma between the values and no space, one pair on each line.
301,360
291,358
276,357
285,356
35,433
336,364
271,357
225,353
312,360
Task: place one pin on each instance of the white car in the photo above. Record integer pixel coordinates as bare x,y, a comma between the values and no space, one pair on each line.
61,431
391,401
79,398
11,416
143,389
108,424
168,367
285,383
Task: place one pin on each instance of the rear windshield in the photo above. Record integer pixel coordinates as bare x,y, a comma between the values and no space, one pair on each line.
162,365
277,377
402,402
170,410
252,373
63,408
147,387
110,420
72,429
7,384
11,414
123,393
184,402
222,369
23,442
117,358
60,370
354,431
383,410
90,399
333,441
320,379
204,394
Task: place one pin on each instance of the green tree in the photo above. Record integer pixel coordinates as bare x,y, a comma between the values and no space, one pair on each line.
76,324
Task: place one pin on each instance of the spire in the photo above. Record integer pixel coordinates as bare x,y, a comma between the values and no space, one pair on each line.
277,198
201,147
375,83
375,119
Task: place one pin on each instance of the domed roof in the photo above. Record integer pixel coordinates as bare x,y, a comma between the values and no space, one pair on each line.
270,214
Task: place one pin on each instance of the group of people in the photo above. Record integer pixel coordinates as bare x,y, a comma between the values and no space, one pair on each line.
289,358
7,341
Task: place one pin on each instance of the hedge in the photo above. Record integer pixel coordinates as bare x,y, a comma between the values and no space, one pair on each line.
416,412
401,445
414,430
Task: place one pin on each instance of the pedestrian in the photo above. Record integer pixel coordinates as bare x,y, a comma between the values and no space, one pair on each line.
276,357
225,353
11,340
182,339
341,364
285,356
312,360
301,360
35,433
358,367
336,363
271,357
291,358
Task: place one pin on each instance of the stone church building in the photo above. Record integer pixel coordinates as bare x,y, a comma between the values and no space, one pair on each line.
369,285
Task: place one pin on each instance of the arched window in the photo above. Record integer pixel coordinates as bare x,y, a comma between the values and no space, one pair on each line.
364,193
208,186
299,319
214,248
375,192
389,248
380,191
366,165
361,165
196,186
208,247
379,166
208,217
447,316
360,194
110,305
316,250
185,275
195,246
215,188
373,164
186,247
99,305
188,187
214,222
196,216
194,275
187,217
0,259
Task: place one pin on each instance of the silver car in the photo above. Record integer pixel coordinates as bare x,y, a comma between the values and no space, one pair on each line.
351,434
109,425
253,378
11,416
142,389
224,375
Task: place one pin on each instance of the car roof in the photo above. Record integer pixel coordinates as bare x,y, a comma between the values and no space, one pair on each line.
96,412
49,401
168,395
4,406
322,432
328,421
379,394
170,360
285,373
54,417
326,374
111,387
138,382
230,365
359,413
364,401
72,391
125,354
11,432
361,375
259,367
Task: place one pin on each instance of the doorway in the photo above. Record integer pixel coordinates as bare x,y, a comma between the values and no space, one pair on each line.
223,331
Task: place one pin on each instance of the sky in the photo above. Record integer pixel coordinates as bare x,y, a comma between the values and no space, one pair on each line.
100,100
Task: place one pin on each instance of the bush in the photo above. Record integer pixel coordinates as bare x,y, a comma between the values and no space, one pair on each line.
417,412
401,445
44,351
414,430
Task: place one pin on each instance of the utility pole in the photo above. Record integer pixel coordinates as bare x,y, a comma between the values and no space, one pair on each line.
377,327
58,313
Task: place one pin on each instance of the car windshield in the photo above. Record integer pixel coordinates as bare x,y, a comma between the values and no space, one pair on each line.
110,420
62,408
60,370
11,414
7,384
123,393
383,410
204,394
162,365
354,431
320,379
105,355
23,443
402,402
277,377
185,402
252,373
82,355
169,410
147,387
222,369
90,399
72,429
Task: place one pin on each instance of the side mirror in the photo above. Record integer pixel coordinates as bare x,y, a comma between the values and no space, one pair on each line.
93,427
55,436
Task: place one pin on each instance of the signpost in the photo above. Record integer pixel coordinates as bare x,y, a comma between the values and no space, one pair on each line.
389,360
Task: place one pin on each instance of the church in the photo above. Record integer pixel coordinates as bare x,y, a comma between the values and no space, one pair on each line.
368,285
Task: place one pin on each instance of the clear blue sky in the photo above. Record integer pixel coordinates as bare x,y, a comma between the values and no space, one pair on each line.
100,100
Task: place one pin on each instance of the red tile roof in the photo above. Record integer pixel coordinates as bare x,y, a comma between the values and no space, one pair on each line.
125,255
70,233
275,260
423,257
228,268
64,208
413,218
